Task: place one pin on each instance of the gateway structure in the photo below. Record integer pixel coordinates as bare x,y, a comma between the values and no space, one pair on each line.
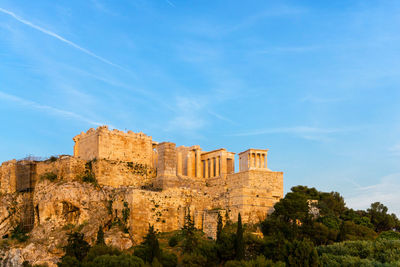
178,179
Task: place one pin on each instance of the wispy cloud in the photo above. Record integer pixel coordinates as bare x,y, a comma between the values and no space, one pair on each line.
170,3
395,150
222,118
49,109
290,49
187,117
386,192
193,113
270,12
62,39
302,130
101,7
321,100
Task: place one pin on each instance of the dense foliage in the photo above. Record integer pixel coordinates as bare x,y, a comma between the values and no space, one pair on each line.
307,228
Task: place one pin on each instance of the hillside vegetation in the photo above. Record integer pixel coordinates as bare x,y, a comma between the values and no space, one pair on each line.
307,228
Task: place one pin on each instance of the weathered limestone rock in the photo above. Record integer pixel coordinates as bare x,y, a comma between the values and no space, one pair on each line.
123,182
69,205
116,238
12,258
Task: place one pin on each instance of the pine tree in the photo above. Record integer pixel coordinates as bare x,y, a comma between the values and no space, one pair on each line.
239,244
100,236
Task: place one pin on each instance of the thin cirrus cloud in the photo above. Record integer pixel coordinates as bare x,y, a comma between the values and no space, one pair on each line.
316,99
386,192
62,39
302,130
49,109
170,3
290,49
395,150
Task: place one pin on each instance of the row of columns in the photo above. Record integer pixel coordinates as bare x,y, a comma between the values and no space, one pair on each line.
212,167
193,166
257,160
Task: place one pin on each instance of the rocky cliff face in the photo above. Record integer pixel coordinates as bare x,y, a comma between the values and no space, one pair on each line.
51,198
59,207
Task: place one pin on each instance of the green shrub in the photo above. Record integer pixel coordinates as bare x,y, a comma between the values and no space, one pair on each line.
68,261
109,206
51,176
386,251
100,250
141,252
68,226
208,249
260,261
361,249
254,246
88,177
168,259
173,241
389,235
194,259
19,233
122,260
236,263
351,231
125,212
76,247
302,253
53,158
331,222
339,261
381,251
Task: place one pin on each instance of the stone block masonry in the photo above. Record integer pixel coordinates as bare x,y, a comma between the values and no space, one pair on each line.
161,181
114,145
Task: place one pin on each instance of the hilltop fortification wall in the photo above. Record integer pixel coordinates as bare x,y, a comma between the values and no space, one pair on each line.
159,183
114,145
254,193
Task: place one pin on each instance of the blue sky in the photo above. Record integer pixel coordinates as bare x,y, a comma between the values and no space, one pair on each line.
316,82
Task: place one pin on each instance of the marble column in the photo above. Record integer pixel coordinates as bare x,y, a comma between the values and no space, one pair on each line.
198,163
179,163
217,162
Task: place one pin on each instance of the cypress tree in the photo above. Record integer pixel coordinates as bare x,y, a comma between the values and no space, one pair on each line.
190,241
239,244
151,244
100,236
219,228
227,220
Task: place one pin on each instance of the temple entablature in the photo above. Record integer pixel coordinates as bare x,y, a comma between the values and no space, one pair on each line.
179,176
166,157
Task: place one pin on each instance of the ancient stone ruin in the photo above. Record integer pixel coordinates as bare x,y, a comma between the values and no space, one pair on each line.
140,181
